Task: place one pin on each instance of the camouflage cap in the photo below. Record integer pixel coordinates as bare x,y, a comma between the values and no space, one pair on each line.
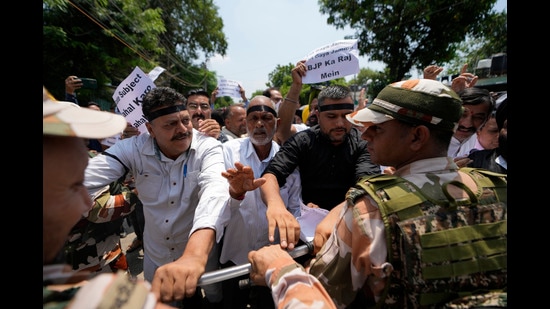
68,119
418,101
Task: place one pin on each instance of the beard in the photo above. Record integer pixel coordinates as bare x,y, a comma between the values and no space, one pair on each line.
261,141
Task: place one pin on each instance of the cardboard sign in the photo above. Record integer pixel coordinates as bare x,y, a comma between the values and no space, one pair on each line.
129,95
229,88
332,61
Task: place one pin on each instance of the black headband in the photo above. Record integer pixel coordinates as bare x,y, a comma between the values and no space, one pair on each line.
331,107
166,111
261,108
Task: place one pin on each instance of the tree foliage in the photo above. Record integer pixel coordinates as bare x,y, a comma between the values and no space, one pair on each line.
406,34
107,39
377,81
193,29
492,40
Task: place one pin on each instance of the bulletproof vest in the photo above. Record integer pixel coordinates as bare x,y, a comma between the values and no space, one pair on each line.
442,250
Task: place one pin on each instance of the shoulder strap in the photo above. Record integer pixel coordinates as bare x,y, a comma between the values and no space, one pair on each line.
395,194
488,180
126,169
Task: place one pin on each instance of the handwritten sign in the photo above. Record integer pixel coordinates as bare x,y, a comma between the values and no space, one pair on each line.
129,95
229,88
332,61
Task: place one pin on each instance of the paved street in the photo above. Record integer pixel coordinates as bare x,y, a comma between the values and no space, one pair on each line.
134,259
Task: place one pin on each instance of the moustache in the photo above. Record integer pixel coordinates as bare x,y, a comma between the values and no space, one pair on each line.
259,131
200,116
181,135
471,129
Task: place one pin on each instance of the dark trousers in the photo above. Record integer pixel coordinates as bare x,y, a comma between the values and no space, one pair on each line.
137,220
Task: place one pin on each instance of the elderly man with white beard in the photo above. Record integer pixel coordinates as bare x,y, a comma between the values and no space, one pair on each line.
247,229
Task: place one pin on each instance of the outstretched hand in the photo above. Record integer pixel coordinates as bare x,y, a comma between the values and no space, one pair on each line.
241,179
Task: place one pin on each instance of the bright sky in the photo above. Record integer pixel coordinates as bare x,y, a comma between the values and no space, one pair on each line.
262,34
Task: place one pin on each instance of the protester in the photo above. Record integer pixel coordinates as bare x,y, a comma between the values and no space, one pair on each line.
234,119
330,157
409,126
72,84
478,105
286,108
247,228
290,105
275,95
65,199
177,173
200,111
487,134
313,110
495,159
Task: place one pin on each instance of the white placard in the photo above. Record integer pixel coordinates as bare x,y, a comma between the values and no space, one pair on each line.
129,95
229,88
332,61
154,74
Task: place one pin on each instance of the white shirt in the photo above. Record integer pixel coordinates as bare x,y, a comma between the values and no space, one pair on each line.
230,135
458,149
179,196
300,127
247,229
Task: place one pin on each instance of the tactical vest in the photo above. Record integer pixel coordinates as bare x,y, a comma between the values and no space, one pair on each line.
443,250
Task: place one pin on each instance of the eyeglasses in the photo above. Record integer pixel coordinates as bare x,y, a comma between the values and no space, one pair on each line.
194,106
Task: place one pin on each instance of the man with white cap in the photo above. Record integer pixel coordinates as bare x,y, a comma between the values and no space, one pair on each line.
65,200
408,126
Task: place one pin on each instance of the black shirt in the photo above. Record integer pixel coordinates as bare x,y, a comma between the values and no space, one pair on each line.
486,159
327,171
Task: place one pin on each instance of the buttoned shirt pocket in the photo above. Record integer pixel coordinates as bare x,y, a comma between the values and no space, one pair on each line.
191,188
149,187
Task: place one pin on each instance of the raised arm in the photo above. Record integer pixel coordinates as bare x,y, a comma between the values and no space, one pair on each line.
290,104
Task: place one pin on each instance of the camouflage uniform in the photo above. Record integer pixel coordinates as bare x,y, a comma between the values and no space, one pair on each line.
94,242
103,291
355,257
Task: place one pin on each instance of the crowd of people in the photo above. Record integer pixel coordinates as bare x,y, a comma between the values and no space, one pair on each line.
207,190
